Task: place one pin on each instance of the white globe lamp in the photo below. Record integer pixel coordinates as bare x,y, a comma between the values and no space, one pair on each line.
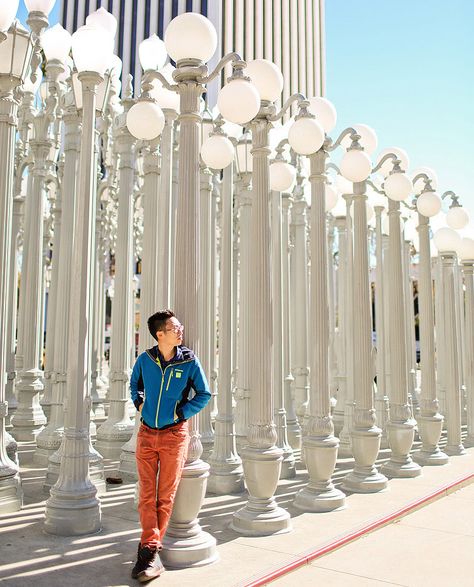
368,138
332,198
356,165
217,152
324,111
457,218
92,50
238,101
282,176
166,99
191,36
428,204
266,77
420,183
8,11
145,120
398,187
44,6
104,21
152,53
446,239
306,136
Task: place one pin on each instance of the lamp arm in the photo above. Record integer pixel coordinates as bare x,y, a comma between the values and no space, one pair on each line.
150,75
300,98
374,187
454,198
346,132
387,157
238,64
333,166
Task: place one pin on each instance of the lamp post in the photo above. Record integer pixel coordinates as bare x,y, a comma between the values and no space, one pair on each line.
447,240
73,507
401,425
29,418
261,457
430,421
466,254
190,41
365,435
12,72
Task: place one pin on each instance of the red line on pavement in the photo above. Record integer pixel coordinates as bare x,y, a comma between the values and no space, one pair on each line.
343,540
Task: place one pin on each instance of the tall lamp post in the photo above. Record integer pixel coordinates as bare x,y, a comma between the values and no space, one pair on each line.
73,507
12,73
191,41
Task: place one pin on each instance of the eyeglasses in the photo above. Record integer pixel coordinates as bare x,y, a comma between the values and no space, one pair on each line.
176,328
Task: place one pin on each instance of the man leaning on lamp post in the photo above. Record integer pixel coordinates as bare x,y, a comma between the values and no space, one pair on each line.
161,384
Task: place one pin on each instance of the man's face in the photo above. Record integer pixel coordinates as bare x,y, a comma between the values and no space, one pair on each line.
173,333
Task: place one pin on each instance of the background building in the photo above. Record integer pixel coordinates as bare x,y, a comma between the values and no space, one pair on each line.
288,32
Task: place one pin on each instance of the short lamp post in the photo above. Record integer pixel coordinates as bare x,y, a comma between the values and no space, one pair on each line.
73,507
447,241
466,255
15,55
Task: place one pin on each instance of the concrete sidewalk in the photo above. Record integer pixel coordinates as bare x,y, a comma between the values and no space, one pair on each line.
30,556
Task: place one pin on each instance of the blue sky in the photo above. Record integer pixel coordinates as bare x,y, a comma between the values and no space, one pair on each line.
404,68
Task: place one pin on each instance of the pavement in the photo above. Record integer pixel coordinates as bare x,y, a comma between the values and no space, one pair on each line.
419,532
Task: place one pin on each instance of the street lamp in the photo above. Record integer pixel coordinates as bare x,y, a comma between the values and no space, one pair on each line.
73,507
190,41
430,421
15,55
447,242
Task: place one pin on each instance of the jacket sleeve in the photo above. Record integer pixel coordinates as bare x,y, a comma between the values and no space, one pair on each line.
202,393
137,389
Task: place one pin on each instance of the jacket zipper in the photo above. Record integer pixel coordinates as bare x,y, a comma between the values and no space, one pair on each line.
169,379
157,361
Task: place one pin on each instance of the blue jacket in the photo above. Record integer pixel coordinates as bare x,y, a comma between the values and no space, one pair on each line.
164,389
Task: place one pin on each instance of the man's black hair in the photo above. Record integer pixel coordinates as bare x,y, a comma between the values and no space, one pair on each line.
158,321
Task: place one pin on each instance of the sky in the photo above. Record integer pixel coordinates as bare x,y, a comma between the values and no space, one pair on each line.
405,69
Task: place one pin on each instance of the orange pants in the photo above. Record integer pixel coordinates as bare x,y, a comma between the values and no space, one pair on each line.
166,450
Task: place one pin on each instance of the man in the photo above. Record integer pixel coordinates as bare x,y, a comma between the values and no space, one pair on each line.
161,384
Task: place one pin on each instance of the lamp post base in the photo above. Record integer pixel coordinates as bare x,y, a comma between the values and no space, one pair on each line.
455,450
11,447
226,477
185,543
73,514
365,477
11,494
96,470
261,516
128,461
429,428
320,495
401,434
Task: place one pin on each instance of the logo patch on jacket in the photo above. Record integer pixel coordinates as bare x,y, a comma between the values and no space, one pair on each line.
178,374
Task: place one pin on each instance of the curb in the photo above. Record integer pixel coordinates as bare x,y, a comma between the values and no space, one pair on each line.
361,531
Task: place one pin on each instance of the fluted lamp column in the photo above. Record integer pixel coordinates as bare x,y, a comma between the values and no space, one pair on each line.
430,421
118,428
73,507
401,424
11,494
226,472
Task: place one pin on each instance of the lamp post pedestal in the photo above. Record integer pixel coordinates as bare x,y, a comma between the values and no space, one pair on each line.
468,272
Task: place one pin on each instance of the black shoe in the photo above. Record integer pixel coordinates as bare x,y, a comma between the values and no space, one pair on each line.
148,565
